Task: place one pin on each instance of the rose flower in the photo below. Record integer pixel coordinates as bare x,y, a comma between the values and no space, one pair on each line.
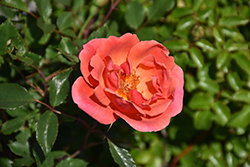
131,79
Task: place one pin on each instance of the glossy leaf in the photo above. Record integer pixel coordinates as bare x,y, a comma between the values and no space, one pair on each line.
200,101
177,45
158,8
209,85
12,125
197,4
223,59
234,80
25,161
241,118
121,155
231,21
69,162
239,147
197,56
59,88
68,49
186,23
46,131
242,95
243,62
20,148
222,113
5,162
13,96
64,20
134,15
218,35
180,12
17,4
44,8
203,120
205,45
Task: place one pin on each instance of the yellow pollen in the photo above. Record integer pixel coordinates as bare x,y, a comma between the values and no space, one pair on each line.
126,83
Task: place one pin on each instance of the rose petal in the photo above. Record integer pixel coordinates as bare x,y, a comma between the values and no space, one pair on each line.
145,124
97,65
126,67
86,54
139,100
121,104
117,48
81,93
110,75
101,96
145,48
176,106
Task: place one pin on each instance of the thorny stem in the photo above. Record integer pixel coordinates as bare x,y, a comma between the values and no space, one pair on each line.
112,7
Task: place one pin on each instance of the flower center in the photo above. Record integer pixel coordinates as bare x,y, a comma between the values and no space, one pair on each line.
126,83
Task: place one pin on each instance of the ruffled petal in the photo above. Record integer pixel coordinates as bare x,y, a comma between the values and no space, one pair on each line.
176,105
118,48
145,48
86,54
145,124
81,94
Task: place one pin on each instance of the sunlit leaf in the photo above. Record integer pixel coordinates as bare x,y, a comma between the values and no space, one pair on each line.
46,131
18,4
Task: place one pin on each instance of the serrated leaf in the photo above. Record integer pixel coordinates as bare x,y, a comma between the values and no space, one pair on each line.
46,131
232,21
99,33
58,88
69,162
241,118
64,20
20,148
12,125
47,28
44,8
68,49
18,4
13,96
158,8
121,155
134,15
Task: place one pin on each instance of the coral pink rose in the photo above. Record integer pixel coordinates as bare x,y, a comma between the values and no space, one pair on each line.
131,79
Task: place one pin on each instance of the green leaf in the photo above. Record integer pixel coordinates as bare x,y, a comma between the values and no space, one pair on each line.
12,125
99,33
134,15
10,39
64,2
47,28
241,118
209,85
20,148
69,162
243,62
218,35
222,113
180,12
46,131
26,161
50,158
234,80
121,155
44,8
186,23
242,95
201,101
158,8
64,20
223,59
177,45
205,45
58,88
197,4
68,32
5,162
232,21
68,49
197,56
239,147
203,120
13,96
18,4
